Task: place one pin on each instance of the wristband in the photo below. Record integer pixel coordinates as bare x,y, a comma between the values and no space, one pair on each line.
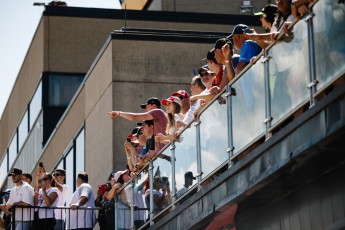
130,157
227,61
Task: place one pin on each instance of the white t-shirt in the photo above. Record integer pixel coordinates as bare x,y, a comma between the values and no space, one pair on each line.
43,212
190,113
82,218
61,213
26,194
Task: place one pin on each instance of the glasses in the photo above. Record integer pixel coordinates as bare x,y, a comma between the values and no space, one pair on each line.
203,74
57,174
45,178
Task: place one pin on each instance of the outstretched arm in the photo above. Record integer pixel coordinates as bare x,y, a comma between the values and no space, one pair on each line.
130,116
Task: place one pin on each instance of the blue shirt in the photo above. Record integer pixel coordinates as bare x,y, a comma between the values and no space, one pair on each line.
249,49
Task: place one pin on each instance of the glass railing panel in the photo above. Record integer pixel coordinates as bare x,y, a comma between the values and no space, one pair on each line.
329,30
248,106
186,161
141,212
213,136
123,209
289,73
162,180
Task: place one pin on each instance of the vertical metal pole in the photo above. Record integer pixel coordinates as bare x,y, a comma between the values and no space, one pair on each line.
115,212
173,193
198,151
229,122
132,203
311,52
151,192
268,116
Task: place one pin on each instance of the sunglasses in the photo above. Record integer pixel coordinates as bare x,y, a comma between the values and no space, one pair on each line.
45,178
57,174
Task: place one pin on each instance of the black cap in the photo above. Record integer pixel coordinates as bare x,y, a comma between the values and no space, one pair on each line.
221,42
204,68
151,101
15,171
238,29
189,175
139,132
149,122
210,56
270,9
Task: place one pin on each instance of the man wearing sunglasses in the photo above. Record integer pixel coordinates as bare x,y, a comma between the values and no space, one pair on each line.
59,177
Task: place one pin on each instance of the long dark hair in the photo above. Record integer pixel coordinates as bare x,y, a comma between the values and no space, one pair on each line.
171,118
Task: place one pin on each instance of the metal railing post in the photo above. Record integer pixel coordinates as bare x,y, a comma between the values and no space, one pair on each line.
115,212
173,179
268,117
311,57
151,192
229,92
198,151
132,203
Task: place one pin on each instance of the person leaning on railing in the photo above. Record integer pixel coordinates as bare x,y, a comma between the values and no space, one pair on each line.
47,196
22,194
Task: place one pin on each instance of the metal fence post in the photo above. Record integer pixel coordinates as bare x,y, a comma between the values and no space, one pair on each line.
173,179
230,92
268,117
311,57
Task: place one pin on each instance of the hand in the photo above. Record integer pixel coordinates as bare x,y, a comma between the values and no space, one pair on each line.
74,206
227,53
113,114
252,60
193,99
303,9
285,28
215,90
181,124
133,175
159,137
274,36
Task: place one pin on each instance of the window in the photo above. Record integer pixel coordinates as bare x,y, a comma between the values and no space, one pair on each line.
62,89
12,151
70,178
80,153
35,105
23,129
3,169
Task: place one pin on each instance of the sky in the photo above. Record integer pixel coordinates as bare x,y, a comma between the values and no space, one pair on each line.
18,22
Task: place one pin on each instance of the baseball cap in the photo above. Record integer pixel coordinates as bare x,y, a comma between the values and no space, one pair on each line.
172,99
151,101
139,132
15,171
238,29
181,94
270,9
204,68
118,174
221,42
189,175
210,56
149,122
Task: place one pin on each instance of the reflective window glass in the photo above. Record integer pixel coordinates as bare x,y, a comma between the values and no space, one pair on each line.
12,150
69,162
23,130
80,155
62,89
35,105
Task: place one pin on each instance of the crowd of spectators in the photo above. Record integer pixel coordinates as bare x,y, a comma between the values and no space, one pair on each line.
153,130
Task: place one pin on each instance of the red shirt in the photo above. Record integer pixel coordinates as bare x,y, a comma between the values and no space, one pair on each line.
218,78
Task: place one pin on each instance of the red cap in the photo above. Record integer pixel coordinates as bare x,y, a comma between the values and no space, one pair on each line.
181,94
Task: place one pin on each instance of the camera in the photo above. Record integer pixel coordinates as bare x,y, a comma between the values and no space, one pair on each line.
129,140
